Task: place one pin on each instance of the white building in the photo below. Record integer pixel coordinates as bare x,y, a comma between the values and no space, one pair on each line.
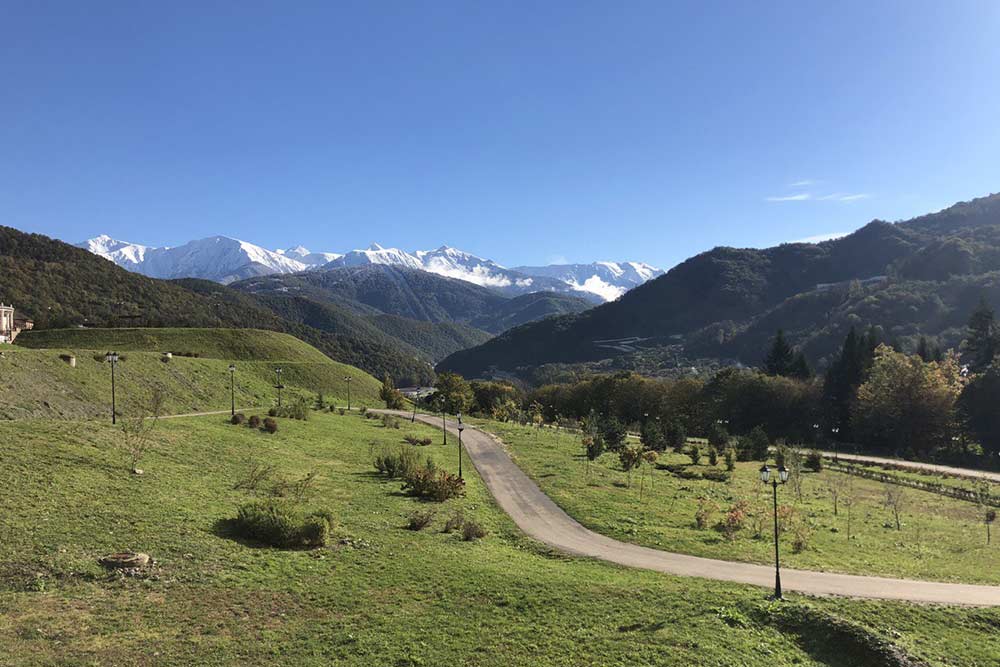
9,326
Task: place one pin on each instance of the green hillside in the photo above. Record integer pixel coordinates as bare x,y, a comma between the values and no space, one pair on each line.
36,380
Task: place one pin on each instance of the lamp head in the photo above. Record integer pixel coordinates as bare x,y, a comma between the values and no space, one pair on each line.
765,473
783,474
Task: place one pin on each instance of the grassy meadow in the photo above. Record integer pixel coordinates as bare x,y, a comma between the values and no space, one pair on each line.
941,538
379,594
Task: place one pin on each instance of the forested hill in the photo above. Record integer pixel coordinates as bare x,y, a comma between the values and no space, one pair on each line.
724,303
59,285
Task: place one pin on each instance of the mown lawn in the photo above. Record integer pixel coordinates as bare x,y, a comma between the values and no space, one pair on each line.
380,594
941,538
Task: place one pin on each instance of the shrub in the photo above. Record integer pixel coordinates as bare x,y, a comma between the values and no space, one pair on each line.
273,412
814,461
735,519
270,425
428,482
754,447
256,473
238,419
281,524
730,459
341,411
363,410
390,421
695,453
320,401
802,535
454,522
254,421
297,409
713,456
718,436
420,520
472,531
396,463
416,441
703,515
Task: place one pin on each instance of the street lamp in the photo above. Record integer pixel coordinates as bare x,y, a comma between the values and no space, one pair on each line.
416,395
461,428
347,379
232,388
279,386
836,443
112,358
765,476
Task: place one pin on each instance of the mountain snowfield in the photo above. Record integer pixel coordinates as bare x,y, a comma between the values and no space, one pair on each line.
225,260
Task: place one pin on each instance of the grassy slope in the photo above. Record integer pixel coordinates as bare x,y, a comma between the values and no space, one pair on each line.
395,598
941,539
37,383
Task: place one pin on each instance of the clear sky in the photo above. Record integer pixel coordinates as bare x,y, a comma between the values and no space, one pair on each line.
526,132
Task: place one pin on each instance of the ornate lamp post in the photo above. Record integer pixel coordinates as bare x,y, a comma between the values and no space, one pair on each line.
232,389
461,428
347,379
112,358
836,443
278,386
765,476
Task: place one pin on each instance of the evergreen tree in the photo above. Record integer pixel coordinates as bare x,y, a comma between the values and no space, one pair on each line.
800,368
923,350
781,356
846,374
983,340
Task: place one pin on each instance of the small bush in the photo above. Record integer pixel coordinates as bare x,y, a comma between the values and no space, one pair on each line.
254,421
730,459
270,425
735,519
280,524
454,522
814,461
430,483
238,419
695,453
342,411
420,520
396,463
299,409
472,531
273,412
390,421
713,456
417,441
706,510
363,410
256,473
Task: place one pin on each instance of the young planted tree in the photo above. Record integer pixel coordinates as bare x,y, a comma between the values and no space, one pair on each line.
848,498
388,393
835,485
630,458
137,427
895,499
593,447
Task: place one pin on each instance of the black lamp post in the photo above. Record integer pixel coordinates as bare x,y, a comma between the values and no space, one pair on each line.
232,389
112,358
765,476
461,428
347,379
444,425
416,395
836,443
279,386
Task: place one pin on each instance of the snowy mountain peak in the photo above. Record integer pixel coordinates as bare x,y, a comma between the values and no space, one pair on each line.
225,259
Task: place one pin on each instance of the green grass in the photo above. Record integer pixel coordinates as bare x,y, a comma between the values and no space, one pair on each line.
383,596
232,344
941,538
37,383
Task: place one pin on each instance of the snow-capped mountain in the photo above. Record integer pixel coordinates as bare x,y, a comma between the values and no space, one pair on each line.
608,280
217,258
311,259
226,260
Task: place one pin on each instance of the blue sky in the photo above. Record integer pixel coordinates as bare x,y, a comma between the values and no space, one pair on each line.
524,132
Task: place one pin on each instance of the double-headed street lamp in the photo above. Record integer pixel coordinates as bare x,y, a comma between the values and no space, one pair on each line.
232,389
836,443
347,379
112,358
765,476
279,386
461,428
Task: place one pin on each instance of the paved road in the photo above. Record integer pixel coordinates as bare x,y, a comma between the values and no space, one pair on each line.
917,466
539,517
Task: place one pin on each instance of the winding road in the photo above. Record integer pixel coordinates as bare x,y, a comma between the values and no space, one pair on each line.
540,518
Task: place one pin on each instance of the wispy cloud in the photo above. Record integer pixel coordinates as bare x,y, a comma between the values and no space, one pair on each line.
801,184
840,196
803,196
819,238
